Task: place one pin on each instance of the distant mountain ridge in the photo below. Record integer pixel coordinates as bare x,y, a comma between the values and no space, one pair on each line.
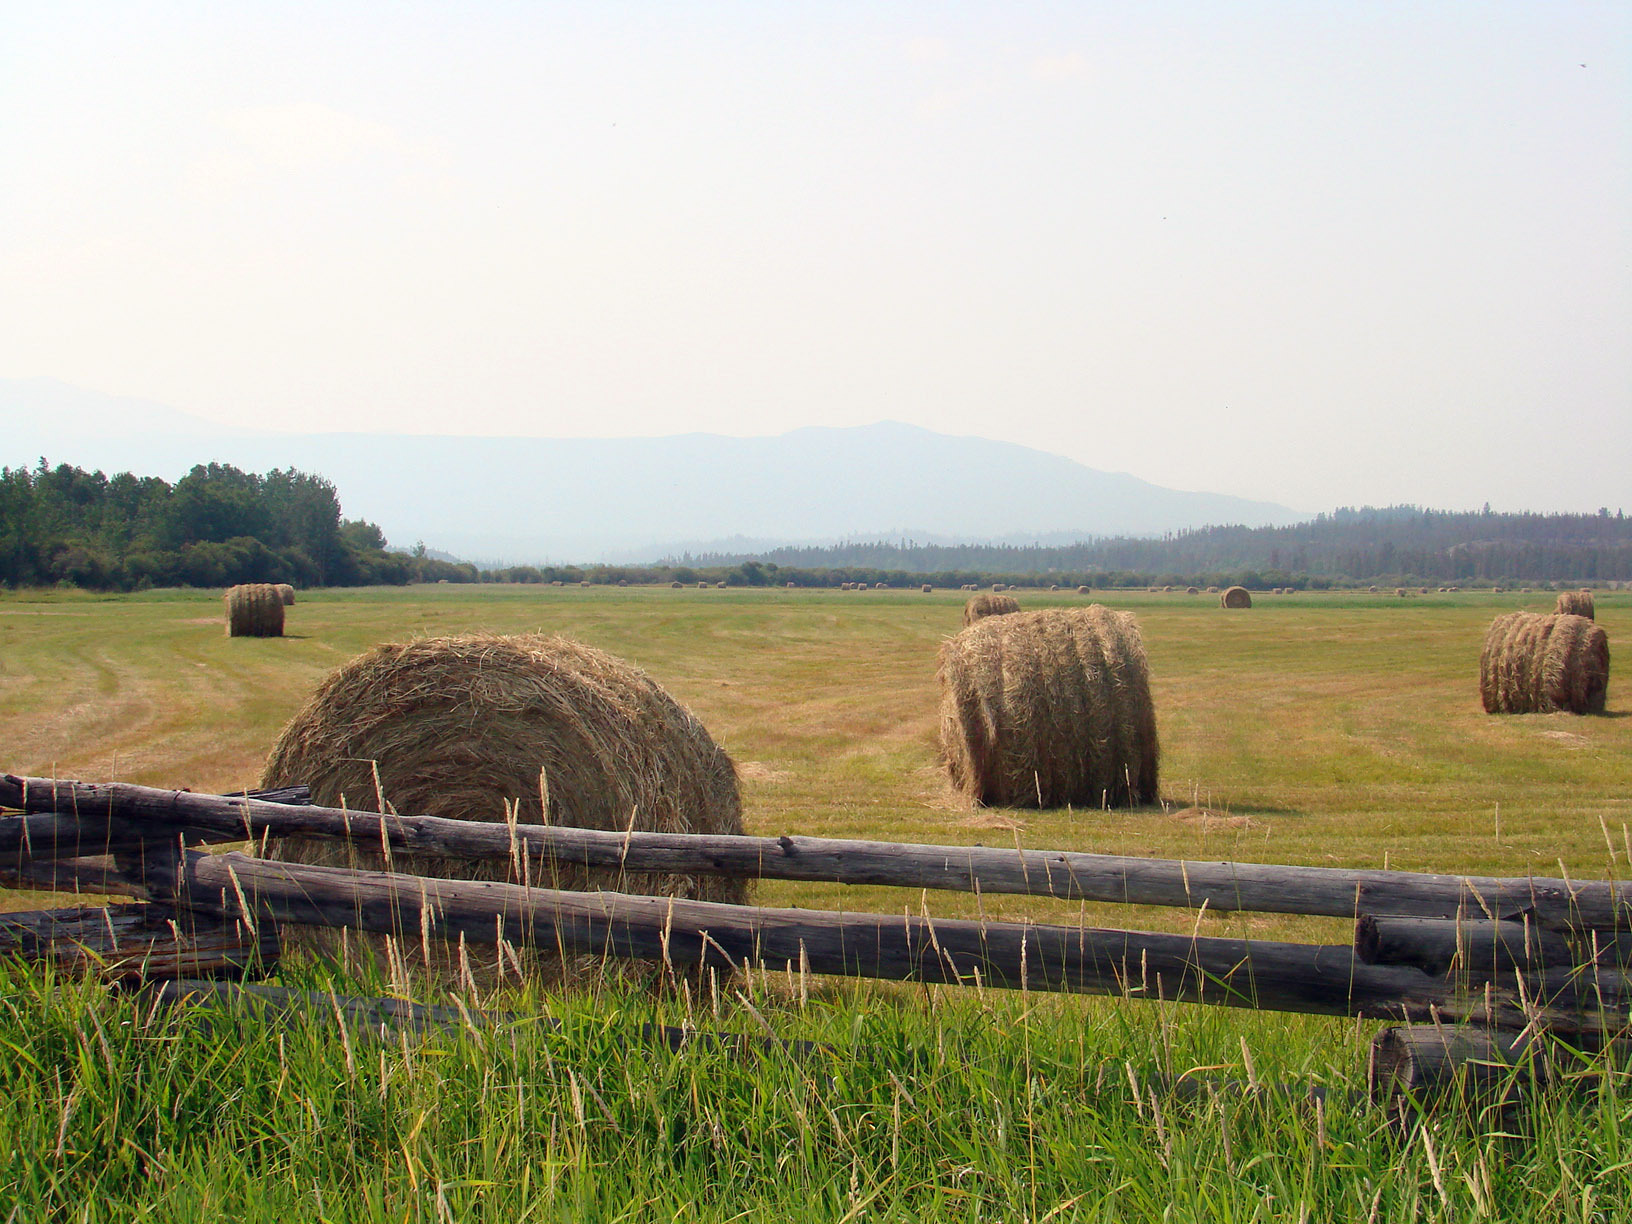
531,500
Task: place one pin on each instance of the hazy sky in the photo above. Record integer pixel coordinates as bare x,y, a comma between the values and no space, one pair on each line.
1315,252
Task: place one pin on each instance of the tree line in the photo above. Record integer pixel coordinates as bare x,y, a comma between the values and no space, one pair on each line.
1395,545
216,526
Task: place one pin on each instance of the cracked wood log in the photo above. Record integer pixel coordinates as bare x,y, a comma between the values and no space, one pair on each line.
1323,980
1556,904
1476,949
96,874
1426,1059
137,943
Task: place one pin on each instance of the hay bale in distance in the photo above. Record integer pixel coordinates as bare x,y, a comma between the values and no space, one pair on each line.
1576,603
986,604
254,609
1082,590
1049,707
1235,597
461,726
1212,590
702,586
1538,664
675,586
1191,591
925,589
880,586
287,594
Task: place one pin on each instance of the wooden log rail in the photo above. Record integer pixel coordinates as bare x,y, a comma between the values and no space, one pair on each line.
131,943
66,817
1322,980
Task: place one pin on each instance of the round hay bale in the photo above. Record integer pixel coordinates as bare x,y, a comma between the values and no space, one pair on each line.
790,586
287,594
1082,590
1576,603
1538,664
1049,707
1424,590
675,586
1212,590
1191,591
1373,590
702,586
986,604
584,583
1235,597
719,586
998,587
1495,590
880,586
1401,592
926,588
459,727
254,609
1167,590
556,582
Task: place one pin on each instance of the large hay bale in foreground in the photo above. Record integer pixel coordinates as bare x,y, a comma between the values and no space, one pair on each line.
1049,707
287,594
1235,597
254,609
1576,603
986,604
460,727
1537,664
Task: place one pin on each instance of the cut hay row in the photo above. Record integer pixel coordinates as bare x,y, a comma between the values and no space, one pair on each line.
535,729
1538,664
986,604
1041,709
254,609
1235,597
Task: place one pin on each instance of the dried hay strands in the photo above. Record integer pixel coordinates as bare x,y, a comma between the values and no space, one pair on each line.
254,609
531,729
986,604
1538,664
1235,597
287,594
1050,707
1576,603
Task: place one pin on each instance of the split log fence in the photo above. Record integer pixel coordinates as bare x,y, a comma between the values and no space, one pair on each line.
1514,958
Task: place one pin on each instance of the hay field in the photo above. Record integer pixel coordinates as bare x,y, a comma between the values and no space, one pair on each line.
1315,729
1322,729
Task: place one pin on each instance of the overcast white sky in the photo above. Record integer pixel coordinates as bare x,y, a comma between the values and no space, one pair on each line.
1317,253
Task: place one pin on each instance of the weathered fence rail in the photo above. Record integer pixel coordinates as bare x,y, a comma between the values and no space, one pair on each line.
88,818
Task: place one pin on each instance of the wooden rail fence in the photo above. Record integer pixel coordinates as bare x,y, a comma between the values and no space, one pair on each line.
1516,957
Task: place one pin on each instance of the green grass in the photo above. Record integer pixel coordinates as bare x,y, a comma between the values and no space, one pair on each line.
1324,729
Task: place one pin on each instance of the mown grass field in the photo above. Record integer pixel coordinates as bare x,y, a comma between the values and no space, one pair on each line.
1316,728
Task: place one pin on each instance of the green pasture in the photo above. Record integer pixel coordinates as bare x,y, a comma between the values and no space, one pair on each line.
1327,729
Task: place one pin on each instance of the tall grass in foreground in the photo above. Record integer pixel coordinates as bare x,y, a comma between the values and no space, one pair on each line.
916,1105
